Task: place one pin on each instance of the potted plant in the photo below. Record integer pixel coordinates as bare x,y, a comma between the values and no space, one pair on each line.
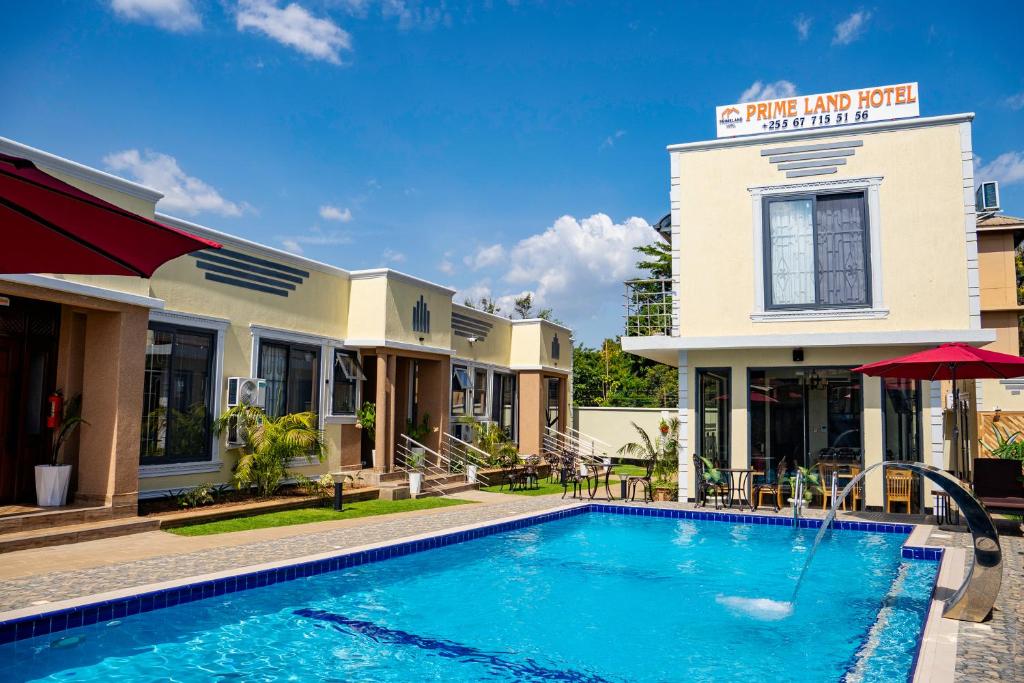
812,485
52,480
415,475
366,418
418,432
661,454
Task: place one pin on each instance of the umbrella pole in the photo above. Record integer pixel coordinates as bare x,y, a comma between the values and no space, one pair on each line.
955,452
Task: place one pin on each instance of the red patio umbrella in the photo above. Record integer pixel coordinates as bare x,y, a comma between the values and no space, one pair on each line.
49,226
949,361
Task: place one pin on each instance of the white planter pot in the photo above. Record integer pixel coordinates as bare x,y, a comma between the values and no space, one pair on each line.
52,484
415,483
471,474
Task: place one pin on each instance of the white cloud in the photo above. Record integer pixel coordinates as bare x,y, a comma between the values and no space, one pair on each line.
392,256
182,192
294,26
803,26
1015,102
446,266
611,139
1007,168
333,213
485,256
316,237
572,257
767,91
851,28
172,15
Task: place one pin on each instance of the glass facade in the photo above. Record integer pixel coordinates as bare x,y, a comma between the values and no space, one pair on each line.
503,403
345,389
177,398
713,414
805,416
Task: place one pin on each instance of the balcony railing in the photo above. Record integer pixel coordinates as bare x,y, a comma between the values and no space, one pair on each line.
649,308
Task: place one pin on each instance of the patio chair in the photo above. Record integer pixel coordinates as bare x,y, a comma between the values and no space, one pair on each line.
770,488
578,474
529,472
645,480
705,488
897,488
825,472
511,474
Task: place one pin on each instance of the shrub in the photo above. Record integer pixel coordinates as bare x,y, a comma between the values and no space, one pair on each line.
270,444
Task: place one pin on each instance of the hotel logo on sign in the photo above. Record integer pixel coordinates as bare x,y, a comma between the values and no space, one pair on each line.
825,110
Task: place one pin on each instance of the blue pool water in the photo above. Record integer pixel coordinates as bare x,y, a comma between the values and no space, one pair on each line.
595,597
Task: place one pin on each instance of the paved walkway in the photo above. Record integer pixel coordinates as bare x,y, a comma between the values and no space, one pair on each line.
994,650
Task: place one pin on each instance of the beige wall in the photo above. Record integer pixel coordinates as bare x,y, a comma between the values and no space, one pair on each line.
614,426
921,205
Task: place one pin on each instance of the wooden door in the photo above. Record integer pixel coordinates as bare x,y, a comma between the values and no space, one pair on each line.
10,392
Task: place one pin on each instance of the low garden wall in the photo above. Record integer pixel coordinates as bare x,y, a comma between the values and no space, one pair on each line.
614,425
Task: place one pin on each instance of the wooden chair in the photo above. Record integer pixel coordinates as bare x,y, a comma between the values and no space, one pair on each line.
857,493
898,484
825,472
772,489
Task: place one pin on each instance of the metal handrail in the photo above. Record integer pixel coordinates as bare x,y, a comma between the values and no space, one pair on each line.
462,453
649,308
407,460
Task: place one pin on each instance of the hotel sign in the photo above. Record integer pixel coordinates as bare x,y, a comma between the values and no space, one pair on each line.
826,110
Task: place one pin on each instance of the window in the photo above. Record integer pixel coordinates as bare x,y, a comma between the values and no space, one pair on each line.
816,251
503,402
345,390
713,413
177,396
554,404
901,399
292,373
480,394
461,384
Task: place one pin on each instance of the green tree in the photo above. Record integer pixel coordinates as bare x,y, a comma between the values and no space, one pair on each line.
486,304
607,376
651,309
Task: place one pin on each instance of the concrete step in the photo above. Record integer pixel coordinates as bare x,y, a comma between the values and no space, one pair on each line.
449,489
32,518
75,533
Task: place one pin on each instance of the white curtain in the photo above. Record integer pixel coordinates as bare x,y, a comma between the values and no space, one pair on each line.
791,230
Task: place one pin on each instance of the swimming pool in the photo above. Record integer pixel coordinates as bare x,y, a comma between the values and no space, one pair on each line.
585,597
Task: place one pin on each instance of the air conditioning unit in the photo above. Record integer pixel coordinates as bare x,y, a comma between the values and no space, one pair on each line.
986,197
247,391
463,431
244,391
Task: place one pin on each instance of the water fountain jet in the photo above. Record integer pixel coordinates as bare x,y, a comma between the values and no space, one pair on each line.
974,599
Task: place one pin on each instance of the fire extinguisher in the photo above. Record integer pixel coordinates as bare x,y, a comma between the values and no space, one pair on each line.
56,404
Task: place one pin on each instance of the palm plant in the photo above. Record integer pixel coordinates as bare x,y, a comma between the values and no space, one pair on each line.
1008,446
661,452
812,482
492,439
270,444
70,421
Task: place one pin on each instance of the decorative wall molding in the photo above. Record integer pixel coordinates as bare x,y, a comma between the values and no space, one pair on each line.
821,314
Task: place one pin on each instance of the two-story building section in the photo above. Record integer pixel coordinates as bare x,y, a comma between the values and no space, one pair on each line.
798,256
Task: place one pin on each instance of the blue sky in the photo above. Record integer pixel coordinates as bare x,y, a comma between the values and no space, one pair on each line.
498,147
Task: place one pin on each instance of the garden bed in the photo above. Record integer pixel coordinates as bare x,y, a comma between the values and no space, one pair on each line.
171,515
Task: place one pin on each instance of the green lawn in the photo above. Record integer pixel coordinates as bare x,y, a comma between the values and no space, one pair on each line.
630,470
364,508
546,489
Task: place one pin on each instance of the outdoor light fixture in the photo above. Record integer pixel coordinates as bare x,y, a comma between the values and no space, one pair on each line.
471,339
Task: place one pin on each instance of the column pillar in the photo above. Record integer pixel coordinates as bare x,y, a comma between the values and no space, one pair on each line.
112,376
685,485
384,400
